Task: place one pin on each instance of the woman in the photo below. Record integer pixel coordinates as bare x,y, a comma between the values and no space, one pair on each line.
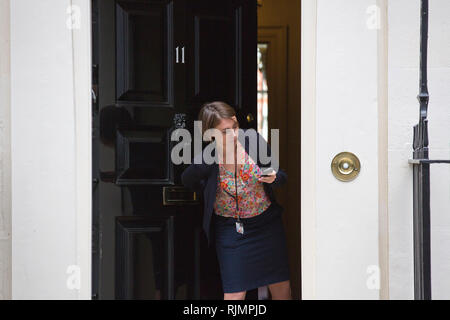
248,229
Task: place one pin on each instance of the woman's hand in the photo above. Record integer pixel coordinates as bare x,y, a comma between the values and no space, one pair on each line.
269,178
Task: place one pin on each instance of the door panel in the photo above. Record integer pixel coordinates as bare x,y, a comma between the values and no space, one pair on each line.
144,43
212,62
221,55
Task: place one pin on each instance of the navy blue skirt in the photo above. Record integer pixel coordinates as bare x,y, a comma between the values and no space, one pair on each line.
256,258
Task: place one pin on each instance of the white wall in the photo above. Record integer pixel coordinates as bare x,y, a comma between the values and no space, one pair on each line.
403,114
5,153
345,241
347,213
50,92
340,111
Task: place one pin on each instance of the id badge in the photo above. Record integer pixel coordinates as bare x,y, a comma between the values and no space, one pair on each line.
240,227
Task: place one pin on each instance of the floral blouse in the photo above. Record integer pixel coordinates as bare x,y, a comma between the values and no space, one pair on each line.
252,199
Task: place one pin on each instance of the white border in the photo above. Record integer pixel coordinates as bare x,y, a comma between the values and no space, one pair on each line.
5,152
383,214
308,147
81,39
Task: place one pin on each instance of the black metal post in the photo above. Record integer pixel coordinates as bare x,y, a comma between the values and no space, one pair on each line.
422,261
421,162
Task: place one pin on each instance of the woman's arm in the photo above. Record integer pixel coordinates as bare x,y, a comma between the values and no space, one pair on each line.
281,176
195,175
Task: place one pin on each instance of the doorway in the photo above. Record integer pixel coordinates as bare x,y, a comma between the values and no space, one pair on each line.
279,108
154,63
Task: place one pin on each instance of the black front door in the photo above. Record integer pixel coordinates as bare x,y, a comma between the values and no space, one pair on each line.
154,63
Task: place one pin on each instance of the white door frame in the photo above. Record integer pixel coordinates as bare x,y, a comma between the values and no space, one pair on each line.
308,148
82,92
82,72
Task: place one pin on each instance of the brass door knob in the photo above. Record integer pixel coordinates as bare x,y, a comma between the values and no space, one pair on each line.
250,118
345,166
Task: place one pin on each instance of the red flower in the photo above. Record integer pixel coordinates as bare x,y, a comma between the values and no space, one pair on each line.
245,176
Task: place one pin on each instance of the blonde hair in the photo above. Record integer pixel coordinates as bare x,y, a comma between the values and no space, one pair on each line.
212,112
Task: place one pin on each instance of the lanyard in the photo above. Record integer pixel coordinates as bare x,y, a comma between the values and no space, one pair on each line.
239,223
235,187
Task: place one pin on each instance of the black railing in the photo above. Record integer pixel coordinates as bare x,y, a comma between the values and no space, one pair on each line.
421,164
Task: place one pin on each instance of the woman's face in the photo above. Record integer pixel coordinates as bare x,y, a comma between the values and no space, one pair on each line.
233,126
